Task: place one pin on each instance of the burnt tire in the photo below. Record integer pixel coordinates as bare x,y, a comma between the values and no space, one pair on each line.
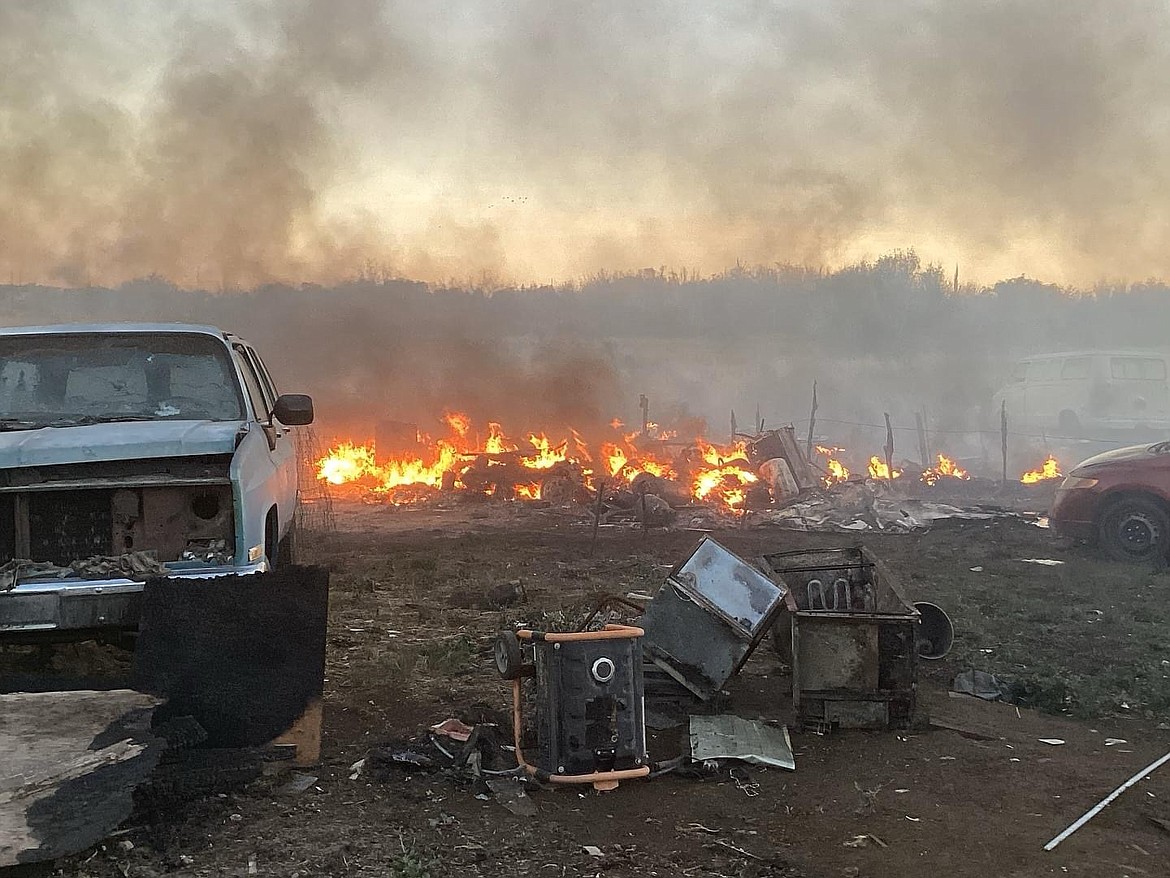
508,656
1135,529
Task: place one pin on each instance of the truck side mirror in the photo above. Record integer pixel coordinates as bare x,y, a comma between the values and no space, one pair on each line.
293,409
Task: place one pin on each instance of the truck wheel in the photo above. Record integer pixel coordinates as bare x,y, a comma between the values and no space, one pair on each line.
1135,529
286,553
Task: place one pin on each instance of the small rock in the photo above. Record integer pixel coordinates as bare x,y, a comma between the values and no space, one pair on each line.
125,845
186,860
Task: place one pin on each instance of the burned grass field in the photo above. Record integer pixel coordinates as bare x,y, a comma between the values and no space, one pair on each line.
418,595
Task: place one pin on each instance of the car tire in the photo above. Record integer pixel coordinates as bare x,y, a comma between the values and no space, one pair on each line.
1135,529
286,552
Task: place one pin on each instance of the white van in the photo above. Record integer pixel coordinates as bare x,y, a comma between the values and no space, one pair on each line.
1089,394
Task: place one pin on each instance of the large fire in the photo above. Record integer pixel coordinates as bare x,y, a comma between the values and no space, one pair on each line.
491,461
561,467
1050,469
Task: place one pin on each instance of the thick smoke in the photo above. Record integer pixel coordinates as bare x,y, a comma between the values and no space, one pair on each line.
230,145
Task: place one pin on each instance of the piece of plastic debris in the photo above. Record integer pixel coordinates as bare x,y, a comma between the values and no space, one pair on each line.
355,770
982,685
861,841
913,819
297,783
409,757
1055,742
1046,562
1112,742
976,569
509,793
593,850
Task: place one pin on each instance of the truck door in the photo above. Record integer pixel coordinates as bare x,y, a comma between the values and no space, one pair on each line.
282,450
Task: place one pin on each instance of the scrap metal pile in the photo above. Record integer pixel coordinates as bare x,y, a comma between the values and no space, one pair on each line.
838,618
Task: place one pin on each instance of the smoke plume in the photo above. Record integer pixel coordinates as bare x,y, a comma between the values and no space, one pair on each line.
226,145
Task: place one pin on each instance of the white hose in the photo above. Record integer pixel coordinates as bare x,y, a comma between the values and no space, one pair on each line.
1100,806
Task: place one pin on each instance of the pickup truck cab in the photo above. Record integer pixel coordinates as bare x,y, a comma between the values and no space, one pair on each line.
132,451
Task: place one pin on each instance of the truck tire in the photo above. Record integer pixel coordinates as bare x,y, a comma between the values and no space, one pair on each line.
286,553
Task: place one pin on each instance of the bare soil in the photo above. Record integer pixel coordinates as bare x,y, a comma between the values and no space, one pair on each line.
1087,642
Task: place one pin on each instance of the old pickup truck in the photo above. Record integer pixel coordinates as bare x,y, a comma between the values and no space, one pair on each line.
134,451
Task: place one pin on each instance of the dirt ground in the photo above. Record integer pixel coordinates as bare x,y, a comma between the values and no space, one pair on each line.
1087,644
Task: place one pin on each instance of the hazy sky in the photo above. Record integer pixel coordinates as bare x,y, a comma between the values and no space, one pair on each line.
231,144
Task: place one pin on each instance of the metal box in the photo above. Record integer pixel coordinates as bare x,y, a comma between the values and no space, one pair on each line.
707,618
589,714
853,636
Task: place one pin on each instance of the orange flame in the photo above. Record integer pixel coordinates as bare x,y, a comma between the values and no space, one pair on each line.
722,474
458,423
717,455
348,463
547,455
727,483
497,442
879,470
945,468
837,472
1050,469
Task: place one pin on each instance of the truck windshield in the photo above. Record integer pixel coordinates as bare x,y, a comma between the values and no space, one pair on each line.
85,378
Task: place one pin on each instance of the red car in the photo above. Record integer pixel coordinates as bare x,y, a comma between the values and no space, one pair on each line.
1121,501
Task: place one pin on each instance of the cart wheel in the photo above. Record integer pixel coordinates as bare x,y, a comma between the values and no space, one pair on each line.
509,659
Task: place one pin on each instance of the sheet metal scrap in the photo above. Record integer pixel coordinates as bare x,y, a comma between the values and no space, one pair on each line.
715,738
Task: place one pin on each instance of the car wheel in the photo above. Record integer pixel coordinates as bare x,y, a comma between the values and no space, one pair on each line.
1135,529
286,553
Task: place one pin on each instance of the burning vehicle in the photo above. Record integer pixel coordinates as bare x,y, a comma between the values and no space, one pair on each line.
134,451
1120,500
